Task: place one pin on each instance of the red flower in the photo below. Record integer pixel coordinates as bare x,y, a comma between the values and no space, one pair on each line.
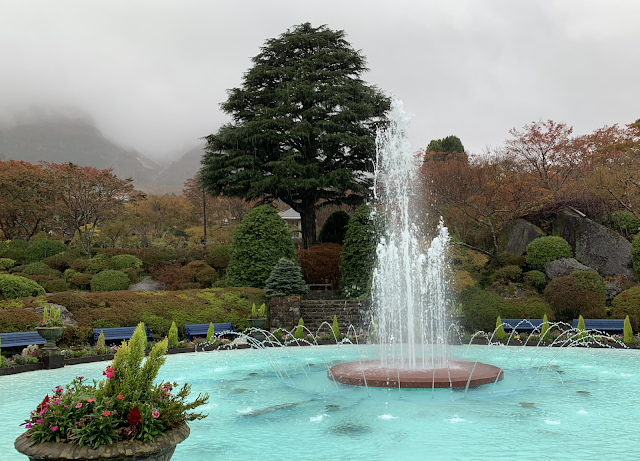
106,413
120,396
43,405
134,416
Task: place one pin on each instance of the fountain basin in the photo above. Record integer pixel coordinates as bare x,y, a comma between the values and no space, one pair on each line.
457,374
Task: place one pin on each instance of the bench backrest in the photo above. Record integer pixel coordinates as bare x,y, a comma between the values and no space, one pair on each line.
601,324
201,329
522,324
117,333
23,338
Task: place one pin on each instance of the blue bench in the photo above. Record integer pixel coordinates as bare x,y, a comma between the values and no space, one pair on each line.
200,329
111,334
522,324
23,338
604,325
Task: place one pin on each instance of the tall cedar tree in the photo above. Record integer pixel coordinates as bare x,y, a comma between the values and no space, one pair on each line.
303,128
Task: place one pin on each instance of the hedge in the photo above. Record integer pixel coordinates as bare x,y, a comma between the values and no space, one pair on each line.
110,280
334,228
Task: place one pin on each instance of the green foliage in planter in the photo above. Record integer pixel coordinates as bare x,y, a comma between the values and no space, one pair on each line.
544,330
334,228
499,334
110,280
299,333
359,253
211,336
101,348
56,286
285,279
261,239
6,263
627,336
535,279
14,249
120,262
627,303
507,274
568,300
335,329
546,249
81,281
589,280
42,249
173,336
635,254
12,286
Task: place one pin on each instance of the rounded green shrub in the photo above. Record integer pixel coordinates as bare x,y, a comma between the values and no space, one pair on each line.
525,308
480,308
546,249
627,303
110,280
359,253
81,281
39,268
61,261
334,228
568,300
261,239
14,249
6,263
43,249
12,286
535,279
507,274
625,221
218,257
589,280
96,264
120,262
56,286
285,279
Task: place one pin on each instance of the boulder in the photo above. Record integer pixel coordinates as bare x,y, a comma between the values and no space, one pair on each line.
66,316
521,234
611,290
565,266
593,244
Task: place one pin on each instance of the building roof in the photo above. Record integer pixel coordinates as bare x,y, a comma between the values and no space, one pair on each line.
289,214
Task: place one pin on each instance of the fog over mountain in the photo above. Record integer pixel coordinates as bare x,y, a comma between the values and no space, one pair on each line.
68,135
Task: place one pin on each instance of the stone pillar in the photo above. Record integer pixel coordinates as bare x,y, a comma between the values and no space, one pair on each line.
284,312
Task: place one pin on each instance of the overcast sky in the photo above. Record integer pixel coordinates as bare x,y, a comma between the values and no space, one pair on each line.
152,73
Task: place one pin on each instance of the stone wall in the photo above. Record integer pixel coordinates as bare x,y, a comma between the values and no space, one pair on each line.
285,312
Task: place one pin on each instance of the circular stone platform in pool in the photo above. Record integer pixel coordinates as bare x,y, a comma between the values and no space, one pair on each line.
372,373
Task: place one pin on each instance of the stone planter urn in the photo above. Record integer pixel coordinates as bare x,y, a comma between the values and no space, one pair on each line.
50,354
161,449
258,323
51,334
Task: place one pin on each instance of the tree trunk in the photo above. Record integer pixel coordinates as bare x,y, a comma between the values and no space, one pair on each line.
308,226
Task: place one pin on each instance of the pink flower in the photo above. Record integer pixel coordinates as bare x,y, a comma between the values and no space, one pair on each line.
65,406
55,402
110,375
120,396
106,413
91,400
108,401
78,405
39,421
28,426
43,411
155,413
80,378
54,428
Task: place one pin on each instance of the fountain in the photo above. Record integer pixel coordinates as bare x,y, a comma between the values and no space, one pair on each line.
409,293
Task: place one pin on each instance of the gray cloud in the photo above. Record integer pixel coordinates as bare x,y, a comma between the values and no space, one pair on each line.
152,73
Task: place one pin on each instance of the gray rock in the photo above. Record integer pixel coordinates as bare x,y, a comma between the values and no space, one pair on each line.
564,266
611,290
147,284
593,244
66,316
520,235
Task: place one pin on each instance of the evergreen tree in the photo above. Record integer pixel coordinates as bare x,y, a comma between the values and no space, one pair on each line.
446,148
358,253
303,128
544,331
285,279
299,333
173,336
261,239
211,336
627,332
499,334
334,228
335,328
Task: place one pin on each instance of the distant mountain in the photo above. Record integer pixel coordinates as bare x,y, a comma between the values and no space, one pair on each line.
174,176
61,139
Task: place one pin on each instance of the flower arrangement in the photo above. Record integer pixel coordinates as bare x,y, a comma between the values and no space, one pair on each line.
124,405
51,318
259,312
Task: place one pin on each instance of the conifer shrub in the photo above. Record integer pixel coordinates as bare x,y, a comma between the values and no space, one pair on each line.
531,307
589,280
6,263
499,334
173,336
261,239
627,303
124,261
285,279
110,280
211,335
535,279
218,258
359,253
160,326
581,331
299,333
545,329
546,249
62,261
627,336
40,268
335,329
480,308
101,347
81,281
42,249
56,286
98,263
334,228
568,300
12,286
321,264
14,249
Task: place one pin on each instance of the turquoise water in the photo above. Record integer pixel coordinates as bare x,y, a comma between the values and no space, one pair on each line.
279,403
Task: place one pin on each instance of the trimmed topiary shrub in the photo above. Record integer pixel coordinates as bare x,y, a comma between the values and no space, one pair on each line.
544,330
6,263
98,263
173,336
261,239
62,261
120,262
110,280
626,303
81,281
40,268
480,308
56,286
589,280
335,328
525,308
12,286
42,249
569,300
321,263
627,336
218,258
299,333
546,249
334,228
285,279
359,253
535,279
499,334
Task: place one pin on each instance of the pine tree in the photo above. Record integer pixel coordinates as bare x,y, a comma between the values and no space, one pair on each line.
499,332
211,336
173,336
627,332
334,328
285,279
101,348
544,331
